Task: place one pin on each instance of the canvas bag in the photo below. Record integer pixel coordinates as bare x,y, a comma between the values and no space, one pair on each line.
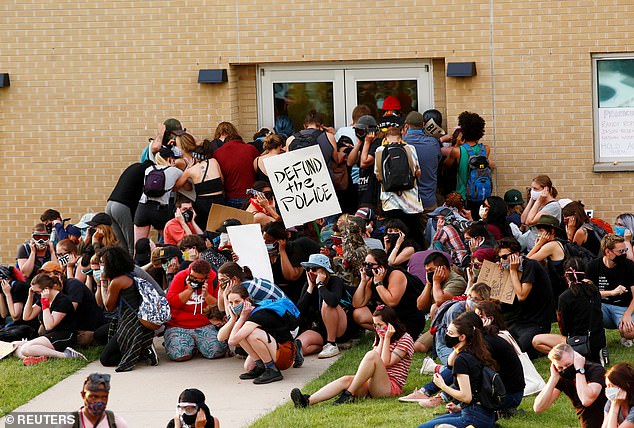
534,382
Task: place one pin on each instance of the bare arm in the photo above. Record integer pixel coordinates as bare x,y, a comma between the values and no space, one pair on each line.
549,394
392,294
362,294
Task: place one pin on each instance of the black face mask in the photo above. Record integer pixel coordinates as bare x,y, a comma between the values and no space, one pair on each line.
189,419
620,259
49,227
188,216
368,271
451,341
360,133
569,372
430,277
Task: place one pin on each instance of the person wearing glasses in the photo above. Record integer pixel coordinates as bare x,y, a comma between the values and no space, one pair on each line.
33,254
262,203
531,311
624,226
320,304
192,412
384,284
613,273
190,295
93,413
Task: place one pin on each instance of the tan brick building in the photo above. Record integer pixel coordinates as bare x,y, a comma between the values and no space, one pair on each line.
91,80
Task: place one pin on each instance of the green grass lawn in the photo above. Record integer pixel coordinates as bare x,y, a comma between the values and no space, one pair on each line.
18,383
389,412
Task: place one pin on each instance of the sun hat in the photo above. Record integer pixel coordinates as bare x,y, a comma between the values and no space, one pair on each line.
318,260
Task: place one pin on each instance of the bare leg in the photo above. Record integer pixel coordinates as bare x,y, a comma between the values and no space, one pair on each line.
423,343
545,342
312,342
371,377
259,343
141,232
333,389
335,321
363,317
40,346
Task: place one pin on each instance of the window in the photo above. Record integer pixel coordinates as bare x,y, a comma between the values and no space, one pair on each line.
613,107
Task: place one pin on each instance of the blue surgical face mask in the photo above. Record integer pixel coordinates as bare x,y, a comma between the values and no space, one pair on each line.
237,309
472,304
97,275
619,230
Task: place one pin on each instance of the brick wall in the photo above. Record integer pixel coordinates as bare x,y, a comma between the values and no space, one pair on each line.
91,80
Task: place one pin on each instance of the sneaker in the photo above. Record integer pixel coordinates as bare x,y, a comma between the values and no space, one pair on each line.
253,374
31,361
299,356
605,357
429,366
151,355
414,397
345,398
300,400
626,342
71,353
434,401
329,350
269,375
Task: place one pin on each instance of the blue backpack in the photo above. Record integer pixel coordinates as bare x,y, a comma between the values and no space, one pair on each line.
479,175
283,307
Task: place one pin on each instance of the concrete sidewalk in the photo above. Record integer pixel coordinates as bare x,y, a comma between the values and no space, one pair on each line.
147,396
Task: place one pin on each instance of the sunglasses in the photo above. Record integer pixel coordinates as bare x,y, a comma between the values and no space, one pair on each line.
43,237
504,256
370,265
312,269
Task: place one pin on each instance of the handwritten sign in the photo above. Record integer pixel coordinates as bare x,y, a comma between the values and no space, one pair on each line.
499,280
219,213
248,244
302,186
616,133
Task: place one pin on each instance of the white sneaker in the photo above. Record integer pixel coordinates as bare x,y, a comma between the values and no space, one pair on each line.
71,353
429,366
626,342
329,350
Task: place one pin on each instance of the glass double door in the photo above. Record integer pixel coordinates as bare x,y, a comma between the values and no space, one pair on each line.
288,93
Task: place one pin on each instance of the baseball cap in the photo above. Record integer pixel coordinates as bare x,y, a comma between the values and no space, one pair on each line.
168,252
366,122
441,210
83,222
172,125
100,218
51,266
513,197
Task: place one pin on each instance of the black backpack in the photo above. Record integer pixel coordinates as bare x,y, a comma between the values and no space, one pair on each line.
574,250
492,391
396,168
303,140
154,184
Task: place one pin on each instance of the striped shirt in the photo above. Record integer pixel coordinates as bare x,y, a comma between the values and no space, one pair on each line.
261,289
398,372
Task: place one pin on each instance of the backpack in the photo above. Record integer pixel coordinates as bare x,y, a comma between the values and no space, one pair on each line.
492,391
340,179
154,184
154,309
109,416
479,175
598,229
575,250
283,307
302,141
396,171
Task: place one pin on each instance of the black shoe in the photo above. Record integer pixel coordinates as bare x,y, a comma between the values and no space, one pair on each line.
256,372
299,356
300,400
269,375
151,355
345,398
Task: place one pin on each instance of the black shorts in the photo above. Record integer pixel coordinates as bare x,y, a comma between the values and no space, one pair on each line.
61,339
153,214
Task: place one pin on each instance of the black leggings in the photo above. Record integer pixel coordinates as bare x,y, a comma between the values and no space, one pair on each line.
111,354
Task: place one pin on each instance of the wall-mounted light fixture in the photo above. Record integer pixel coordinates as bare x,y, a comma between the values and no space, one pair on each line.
212,76
461,69
4,80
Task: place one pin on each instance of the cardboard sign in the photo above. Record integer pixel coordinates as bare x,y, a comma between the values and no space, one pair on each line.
6,349
499,280
302,186
219,213
249,246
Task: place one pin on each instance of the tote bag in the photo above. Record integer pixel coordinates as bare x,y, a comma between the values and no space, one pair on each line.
532,378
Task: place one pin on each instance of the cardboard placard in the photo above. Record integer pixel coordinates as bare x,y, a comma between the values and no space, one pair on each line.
6,349
249,246
219,213
303,189
499,280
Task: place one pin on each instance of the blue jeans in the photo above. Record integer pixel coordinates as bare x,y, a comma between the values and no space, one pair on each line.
431,389
236,202
475,415
612,315
512,401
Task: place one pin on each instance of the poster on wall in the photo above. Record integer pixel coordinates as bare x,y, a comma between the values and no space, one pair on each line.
303,189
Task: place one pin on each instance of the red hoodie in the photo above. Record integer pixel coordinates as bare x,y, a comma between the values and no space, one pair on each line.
188,314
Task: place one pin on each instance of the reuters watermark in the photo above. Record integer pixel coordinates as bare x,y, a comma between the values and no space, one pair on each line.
39,419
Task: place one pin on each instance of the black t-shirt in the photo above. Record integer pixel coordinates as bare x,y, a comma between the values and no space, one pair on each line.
62,304
609,278
273,324
298,251
577,314
467,363
510,366
24,251
538,306
129,187
309,304
591,416
20,294
368,183
89,315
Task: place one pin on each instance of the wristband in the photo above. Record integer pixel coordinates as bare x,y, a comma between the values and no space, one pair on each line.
320,284
45,303
378,284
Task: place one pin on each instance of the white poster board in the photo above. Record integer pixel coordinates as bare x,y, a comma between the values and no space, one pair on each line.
303,189
616,133
248,244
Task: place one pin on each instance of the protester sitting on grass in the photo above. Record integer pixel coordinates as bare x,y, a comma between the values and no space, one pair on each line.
382,371
262,333
93,413
190,295
619,390
191,411
57,317
320,306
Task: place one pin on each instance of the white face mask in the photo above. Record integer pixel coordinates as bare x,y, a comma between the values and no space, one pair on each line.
483,211
535,194
612,392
